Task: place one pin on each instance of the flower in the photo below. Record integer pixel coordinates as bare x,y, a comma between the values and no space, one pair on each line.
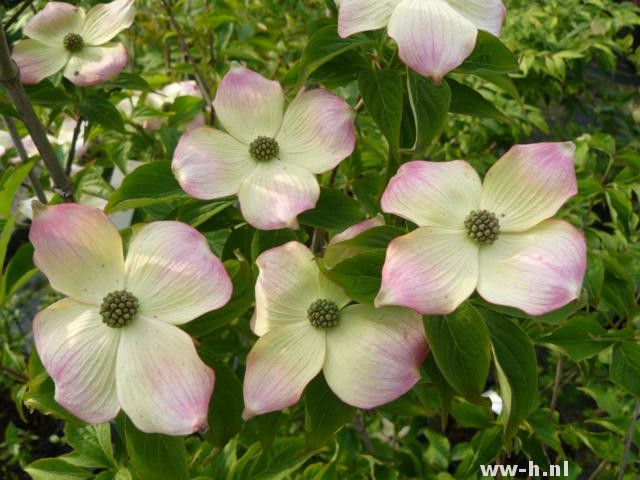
267,157
368,356
115,342
433,36
62,36
497,237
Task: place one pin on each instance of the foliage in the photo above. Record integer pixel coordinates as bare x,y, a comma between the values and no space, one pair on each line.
569,380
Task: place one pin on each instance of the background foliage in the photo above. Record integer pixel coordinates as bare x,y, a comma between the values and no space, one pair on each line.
570,381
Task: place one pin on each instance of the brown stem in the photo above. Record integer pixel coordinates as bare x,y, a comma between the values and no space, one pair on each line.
556,386
10,79
72,149
22,153
202,84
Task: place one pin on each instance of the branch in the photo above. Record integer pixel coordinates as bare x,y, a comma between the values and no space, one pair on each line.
22,153
202,84
17,14
72,149
10,79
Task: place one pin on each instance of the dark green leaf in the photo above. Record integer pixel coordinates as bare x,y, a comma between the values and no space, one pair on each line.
93,442
625,367
466,101
101,111
382,94
334,211
460,345
429,105
490,55
56,469
359,276
325,413
580,338
148,184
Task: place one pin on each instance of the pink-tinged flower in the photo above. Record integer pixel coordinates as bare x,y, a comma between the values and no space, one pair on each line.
433,36
63,36
268,157
368,356
115,342
497,237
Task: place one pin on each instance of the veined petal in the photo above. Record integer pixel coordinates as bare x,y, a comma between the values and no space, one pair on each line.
37,61
374,354
437,194
529,184
162,384
361,15
487,15
536,271
79,250
289,281
317,131
430,270
53,22
433,38
210,164
79,352
248,105
106,20
276,193
94,65
279,367
174,275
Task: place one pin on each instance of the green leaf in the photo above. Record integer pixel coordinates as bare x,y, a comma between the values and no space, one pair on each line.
93,442
266,239
325,44
376,238
148,184
581,337
325,413
381,91
13,178
516,368
99,110
284,456
460,345
18,272
429,105
196,212
466,101
334,211
359,276
490,55
155,456
56,469
225,408
444,390
241,301
625,367
184,109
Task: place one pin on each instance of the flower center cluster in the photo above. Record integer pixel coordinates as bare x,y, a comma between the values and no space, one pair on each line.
264,149
118,308
323,314
73,42
482,226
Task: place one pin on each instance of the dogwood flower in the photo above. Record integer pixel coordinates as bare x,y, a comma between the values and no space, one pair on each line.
62,36
433,36
497,237
267,157
368,356
115,342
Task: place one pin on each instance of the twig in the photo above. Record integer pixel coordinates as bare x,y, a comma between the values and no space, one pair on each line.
22,153
629,440
202,84
556,386
72,148
601,466
19,12
10,78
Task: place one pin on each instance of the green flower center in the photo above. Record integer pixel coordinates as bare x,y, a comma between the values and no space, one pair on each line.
323,314
264,149
118,308
482,226
73,42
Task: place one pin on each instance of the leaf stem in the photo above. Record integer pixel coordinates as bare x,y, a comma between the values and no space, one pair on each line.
72,148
